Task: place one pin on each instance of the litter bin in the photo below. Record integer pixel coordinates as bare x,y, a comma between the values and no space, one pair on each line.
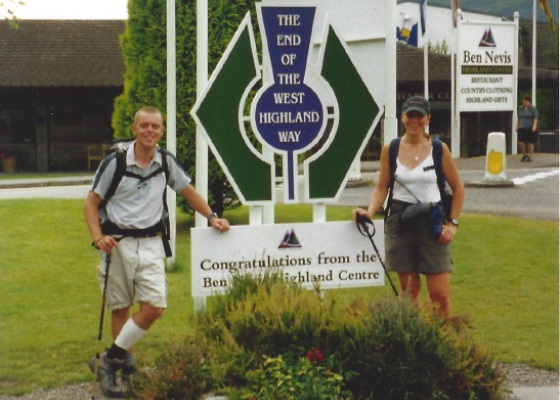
9,164
548,142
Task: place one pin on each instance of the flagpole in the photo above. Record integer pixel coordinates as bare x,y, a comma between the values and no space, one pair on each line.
453,126
456,118
426,81
534,57
515,84
426,78
172,117
201,81
201,144
390,123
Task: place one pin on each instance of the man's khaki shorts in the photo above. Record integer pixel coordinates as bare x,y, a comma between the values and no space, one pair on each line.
136,273
410,246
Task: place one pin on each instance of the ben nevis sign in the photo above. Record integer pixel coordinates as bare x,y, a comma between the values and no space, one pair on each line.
487,60
307,103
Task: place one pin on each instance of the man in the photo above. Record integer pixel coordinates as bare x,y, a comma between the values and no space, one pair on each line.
126,227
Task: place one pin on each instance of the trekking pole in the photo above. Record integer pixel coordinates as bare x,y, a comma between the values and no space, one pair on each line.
364,224
101,318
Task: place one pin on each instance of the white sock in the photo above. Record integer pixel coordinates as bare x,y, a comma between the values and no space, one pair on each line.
130,334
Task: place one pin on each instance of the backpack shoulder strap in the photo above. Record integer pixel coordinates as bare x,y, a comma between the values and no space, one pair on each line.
165,220
120,170
164,163
393,154
437,155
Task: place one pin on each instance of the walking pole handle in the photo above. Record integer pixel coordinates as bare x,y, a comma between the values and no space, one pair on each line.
364,224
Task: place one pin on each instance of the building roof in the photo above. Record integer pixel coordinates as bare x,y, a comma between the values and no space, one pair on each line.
61,53
87,53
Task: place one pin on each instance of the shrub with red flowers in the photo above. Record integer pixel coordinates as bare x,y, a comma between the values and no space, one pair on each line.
315,356
291,376
267,339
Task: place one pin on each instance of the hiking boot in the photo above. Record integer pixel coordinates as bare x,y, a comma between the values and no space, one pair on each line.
107,375
129,369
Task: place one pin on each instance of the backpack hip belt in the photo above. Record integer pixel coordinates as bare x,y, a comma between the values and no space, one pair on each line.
110,228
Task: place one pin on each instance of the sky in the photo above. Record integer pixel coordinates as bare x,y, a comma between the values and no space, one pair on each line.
71,9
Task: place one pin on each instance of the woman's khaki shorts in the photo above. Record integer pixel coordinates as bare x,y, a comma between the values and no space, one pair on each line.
411,247
136,273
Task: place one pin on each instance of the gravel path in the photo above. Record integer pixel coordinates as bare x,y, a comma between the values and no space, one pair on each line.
517,375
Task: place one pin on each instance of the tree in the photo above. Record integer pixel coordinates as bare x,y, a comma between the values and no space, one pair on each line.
144,50
7,11
439,48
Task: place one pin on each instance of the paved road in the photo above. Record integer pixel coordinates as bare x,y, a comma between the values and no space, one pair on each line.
535,193
58,192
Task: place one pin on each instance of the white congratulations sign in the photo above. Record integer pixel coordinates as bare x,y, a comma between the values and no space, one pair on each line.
485,66
331,255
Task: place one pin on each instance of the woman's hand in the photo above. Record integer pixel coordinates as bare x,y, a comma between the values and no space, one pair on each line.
360,211
448,232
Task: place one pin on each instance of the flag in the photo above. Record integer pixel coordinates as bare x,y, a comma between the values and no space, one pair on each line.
413,36
454,7
408,36
548,13
423,9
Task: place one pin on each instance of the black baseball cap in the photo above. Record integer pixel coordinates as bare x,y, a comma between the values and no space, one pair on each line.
416,103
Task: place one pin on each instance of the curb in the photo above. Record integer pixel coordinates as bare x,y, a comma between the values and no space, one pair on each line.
490,184
49,182
535,393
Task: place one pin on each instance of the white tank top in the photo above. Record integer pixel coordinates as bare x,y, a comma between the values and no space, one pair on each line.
422,181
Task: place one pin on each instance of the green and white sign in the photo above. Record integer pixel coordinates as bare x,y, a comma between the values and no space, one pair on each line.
321,114
308,101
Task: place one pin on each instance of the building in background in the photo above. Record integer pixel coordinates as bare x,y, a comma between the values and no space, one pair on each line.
439,37
59,79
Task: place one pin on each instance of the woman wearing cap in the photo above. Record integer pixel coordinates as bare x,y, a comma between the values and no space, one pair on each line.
411,248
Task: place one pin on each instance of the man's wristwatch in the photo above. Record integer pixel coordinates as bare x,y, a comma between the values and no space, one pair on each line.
454,221
209,217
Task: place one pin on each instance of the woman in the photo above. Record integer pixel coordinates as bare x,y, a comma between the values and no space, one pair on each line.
527,121
411,248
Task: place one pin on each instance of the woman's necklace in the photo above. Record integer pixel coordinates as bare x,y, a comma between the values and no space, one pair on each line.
416,158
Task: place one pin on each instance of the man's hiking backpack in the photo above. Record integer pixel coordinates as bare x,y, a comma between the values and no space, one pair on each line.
437,154
110,228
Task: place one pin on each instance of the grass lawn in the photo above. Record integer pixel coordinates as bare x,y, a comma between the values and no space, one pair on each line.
505,279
